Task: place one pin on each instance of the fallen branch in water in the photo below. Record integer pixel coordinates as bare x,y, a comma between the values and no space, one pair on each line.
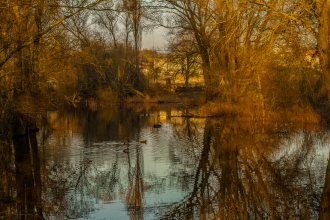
197,116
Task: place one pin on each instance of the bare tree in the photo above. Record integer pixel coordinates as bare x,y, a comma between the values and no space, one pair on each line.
184,55
36,36
134,13
196,17
26,35
313,16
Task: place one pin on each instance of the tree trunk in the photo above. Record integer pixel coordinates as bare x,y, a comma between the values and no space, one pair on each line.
208,79
325,199
322,38
186,79
37,192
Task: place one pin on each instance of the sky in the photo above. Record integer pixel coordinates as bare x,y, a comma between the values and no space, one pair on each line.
155,39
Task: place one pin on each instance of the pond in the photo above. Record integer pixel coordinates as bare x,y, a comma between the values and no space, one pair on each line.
149,162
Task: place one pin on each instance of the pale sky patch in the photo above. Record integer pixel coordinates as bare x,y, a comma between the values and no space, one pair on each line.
155,39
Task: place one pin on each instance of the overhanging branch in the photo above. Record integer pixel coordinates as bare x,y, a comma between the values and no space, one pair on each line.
38,36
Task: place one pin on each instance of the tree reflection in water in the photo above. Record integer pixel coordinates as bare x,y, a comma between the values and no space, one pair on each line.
225,169
250,172
6,180
135,191
20,185
325,199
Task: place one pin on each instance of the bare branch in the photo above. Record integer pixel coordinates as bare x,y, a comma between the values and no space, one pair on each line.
38,36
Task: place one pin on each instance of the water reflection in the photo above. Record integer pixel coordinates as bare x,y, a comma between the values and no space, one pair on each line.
188,168
20,185
248,173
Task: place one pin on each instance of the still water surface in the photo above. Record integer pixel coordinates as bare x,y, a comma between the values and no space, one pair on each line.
188,168
100,181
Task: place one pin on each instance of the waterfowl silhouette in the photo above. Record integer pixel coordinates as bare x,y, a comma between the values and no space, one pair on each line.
126,150
143,142
157,126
